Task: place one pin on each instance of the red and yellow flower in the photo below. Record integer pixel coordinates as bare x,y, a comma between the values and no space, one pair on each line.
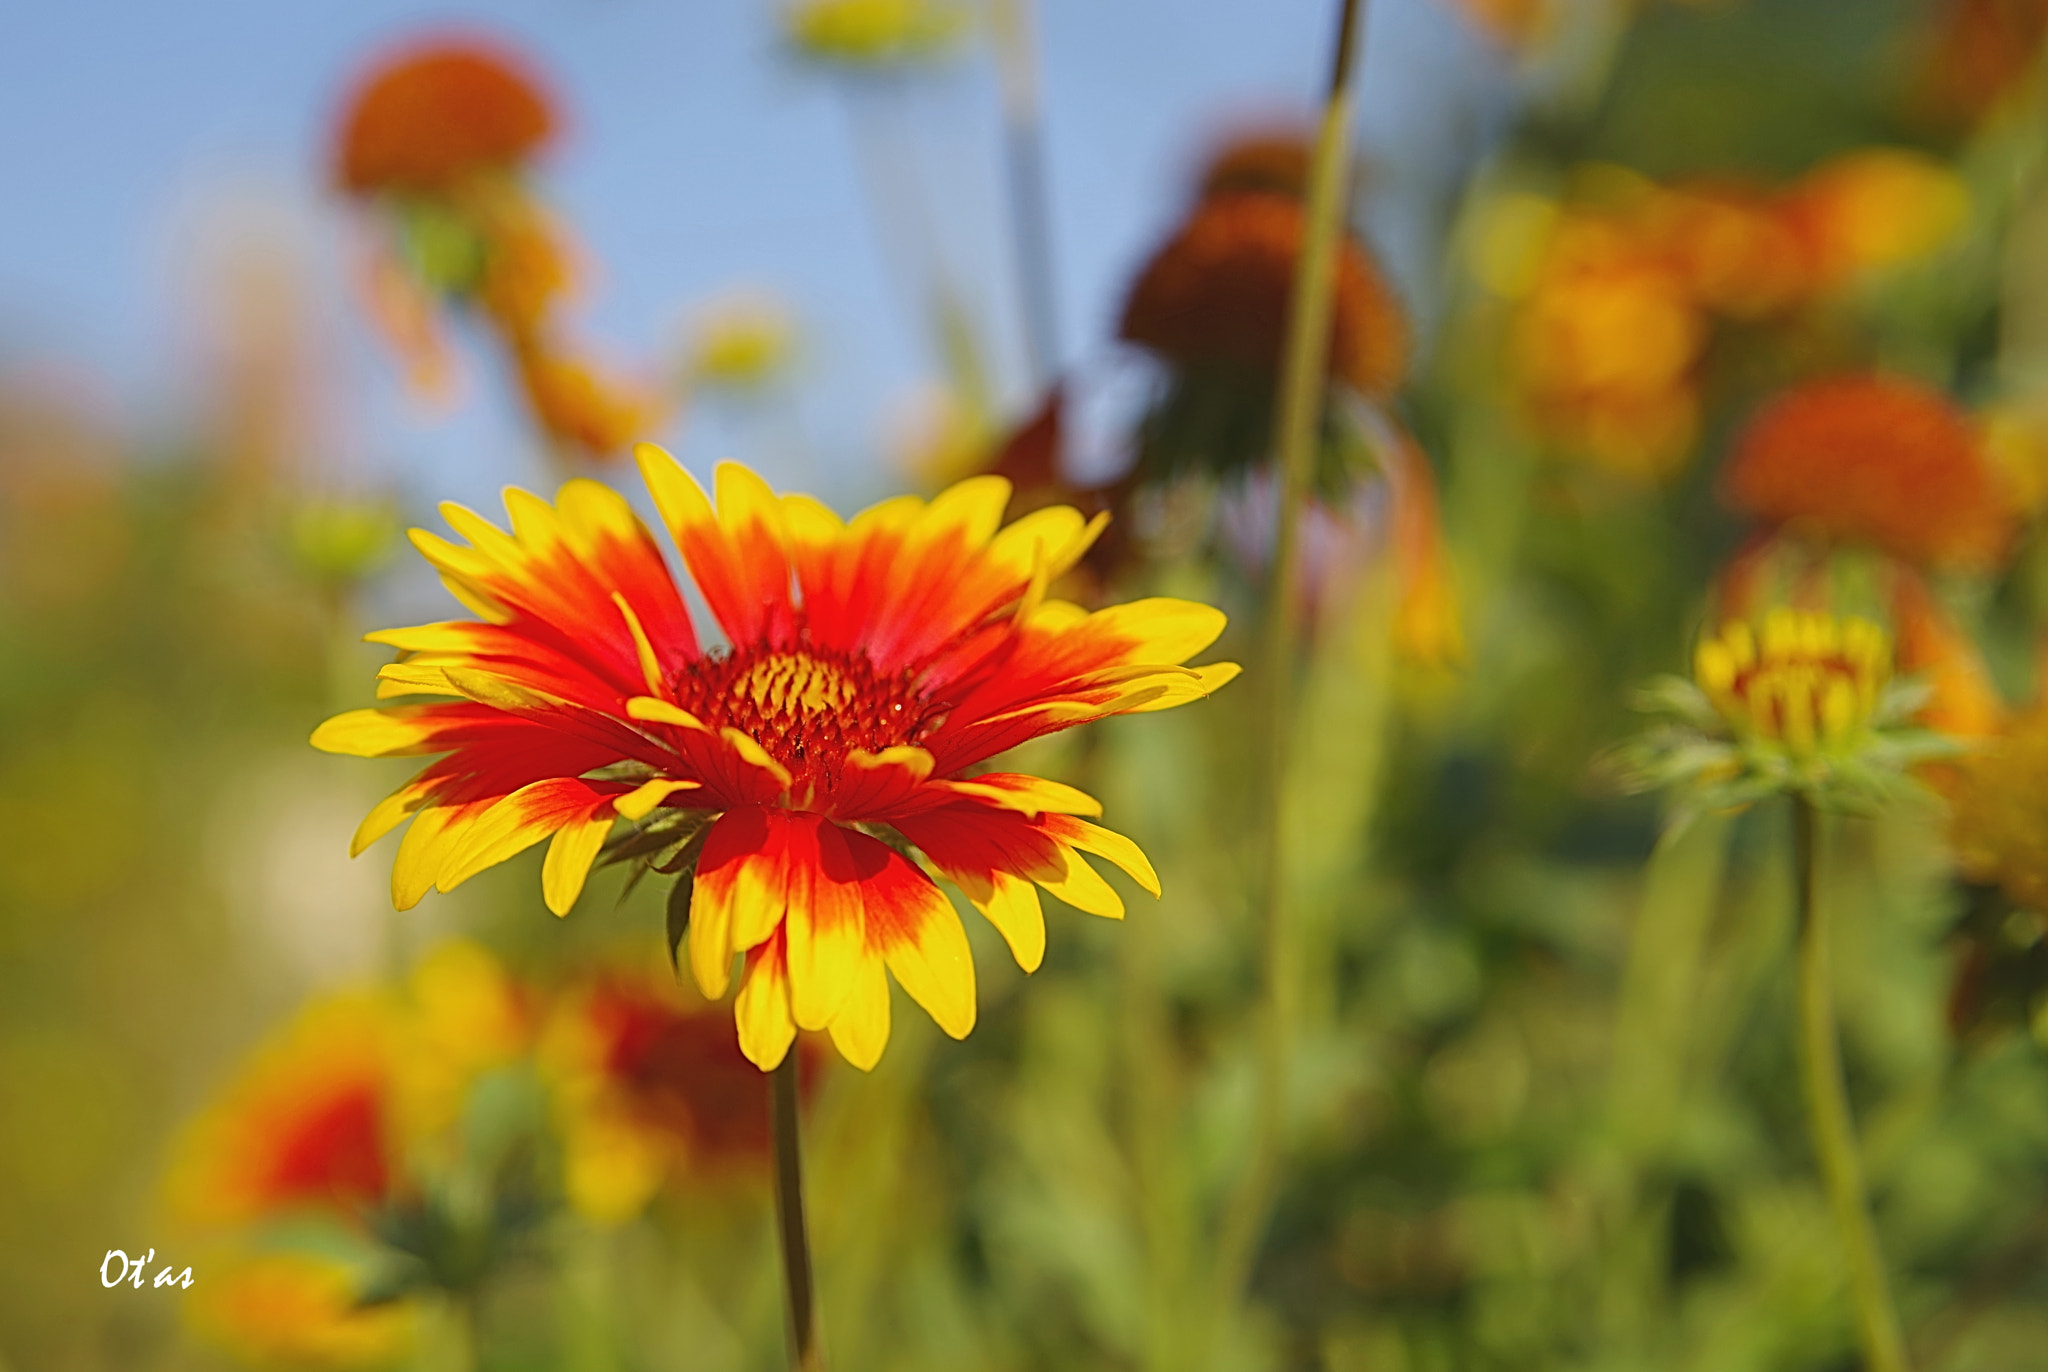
335,1111
311,1124
872,666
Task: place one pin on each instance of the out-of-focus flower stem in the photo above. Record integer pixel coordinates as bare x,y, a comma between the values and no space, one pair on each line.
806,1356
1024,154
1303,375
1827,1108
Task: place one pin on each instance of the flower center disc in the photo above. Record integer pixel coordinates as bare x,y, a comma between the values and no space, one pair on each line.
793,685
808,709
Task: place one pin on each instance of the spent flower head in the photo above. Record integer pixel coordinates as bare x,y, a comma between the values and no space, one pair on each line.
434,113
1799,702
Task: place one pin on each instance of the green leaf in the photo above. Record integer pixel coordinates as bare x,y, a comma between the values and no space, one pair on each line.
679,917
685,871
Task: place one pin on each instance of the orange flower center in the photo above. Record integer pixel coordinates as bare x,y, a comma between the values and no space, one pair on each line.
807,708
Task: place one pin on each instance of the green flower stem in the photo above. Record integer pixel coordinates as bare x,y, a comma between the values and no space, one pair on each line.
1827,1107
1297,423
789,1215
1014,27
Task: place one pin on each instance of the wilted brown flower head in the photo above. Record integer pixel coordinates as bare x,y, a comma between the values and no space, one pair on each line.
1218,292
1271,161
436,111
1876,460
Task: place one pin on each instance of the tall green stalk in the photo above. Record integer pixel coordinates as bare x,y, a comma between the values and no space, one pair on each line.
1827,1108
1297,424
1024,159
805,1356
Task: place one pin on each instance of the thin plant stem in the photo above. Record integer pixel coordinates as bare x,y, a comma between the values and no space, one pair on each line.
1024,158
1827,1108
1297,424
806,1356
462,1349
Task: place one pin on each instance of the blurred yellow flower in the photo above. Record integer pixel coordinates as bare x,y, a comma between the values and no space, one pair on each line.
874,32
742,343
2015,440
1874,209
298,1311
1999,816
1809,683
466,1016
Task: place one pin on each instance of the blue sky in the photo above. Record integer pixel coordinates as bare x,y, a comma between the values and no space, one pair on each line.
699,158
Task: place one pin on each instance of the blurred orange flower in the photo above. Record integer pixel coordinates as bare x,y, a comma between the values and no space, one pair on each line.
1605,347
310,1123
1618,293
1733,247
583,409
1877,460
1963,703
439,111
1218,293
527,269
1874,209
332,1112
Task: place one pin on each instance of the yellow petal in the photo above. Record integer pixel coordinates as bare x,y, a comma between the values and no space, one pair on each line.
1083,888
1109,844
974,507
373,733
655,711
824,930
1014,910
762,1010
861,1029
1167,630
1173,691
638,803
570,854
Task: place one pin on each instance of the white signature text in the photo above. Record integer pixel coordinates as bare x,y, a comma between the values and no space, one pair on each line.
132,1270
